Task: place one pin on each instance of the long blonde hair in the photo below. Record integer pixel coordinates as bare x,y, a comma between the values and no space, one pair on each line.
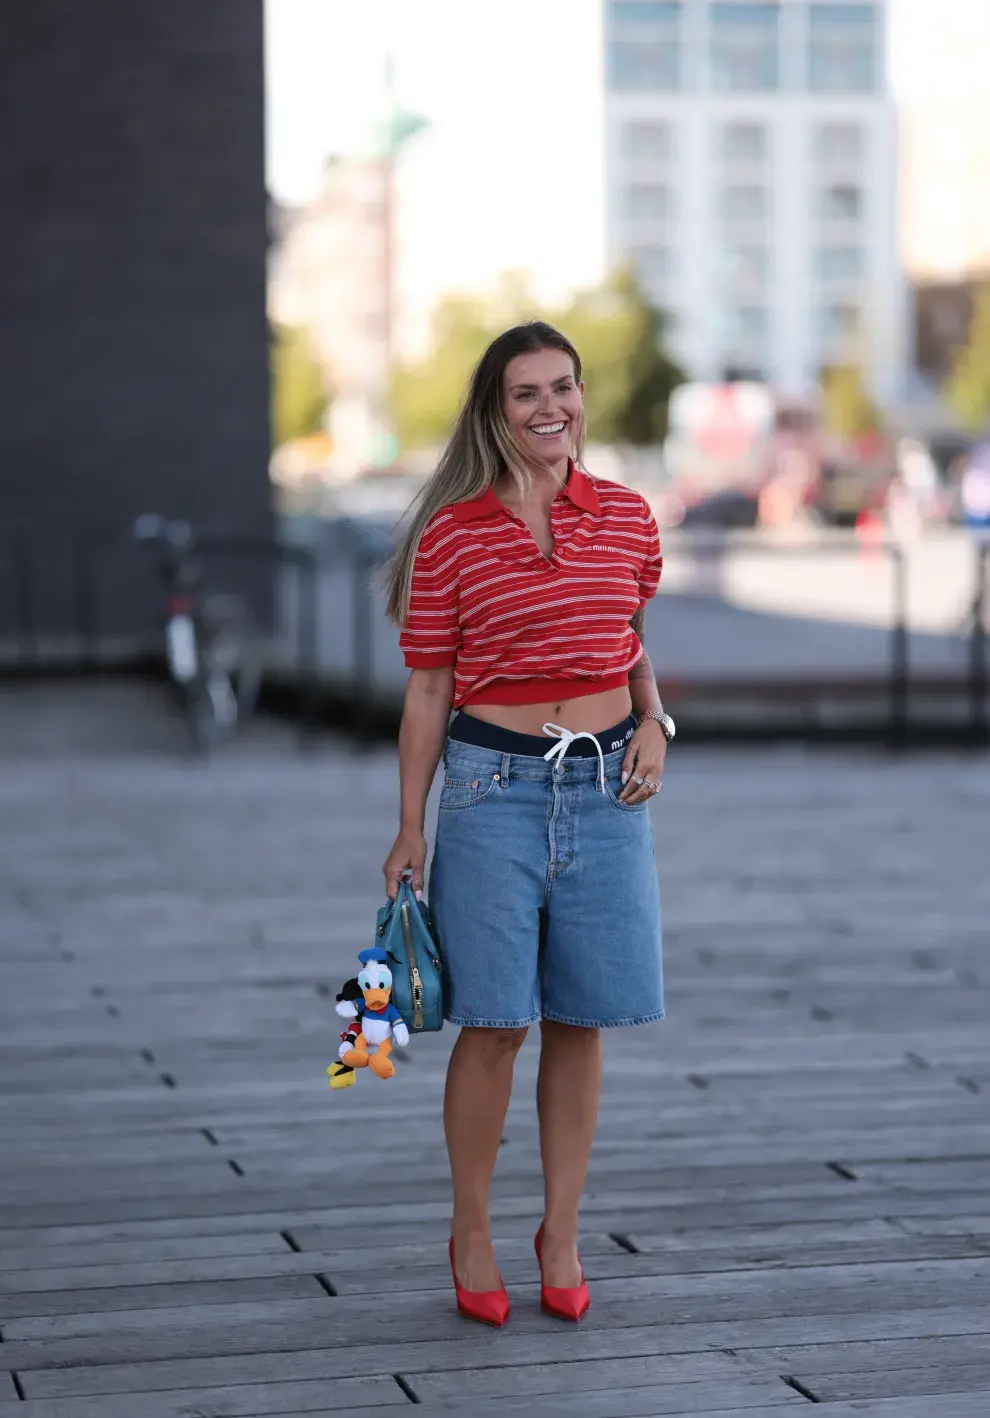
481,449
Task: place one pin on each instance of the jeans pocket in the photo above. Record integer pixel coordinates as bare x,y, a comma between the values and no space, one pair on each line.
458,794
614,788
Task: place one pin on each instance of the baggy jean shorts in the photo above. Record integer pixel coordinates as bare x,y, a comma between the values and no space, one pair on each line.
544,893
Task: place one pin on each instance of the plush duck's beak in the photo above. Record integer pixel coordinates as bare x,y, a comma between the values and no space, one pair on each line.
376,999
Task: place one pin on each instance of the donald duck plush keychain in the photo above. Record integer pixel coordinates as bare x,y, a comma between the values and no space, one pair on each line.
375,1022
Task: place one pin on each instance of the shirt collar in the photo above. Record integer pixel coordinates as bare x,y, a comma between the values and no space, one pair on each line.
579,488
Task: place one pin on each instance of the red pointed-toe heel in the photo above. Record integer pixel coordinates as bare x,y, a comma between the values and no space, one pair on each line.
485,1306
566,1303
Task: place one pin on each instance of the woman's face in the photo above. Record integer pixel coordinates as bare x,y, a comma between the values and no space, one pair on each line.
542,403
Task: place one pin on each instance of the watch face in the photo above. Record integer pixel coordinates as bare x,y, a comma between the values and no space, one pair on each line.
667,724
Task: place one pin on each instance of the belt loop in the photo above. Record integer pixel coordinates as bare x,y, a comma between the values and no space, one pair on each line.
504,778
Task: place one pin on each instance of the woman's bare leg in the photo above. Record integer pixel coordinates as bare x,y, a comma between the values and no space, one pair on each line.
479,1083
567,1093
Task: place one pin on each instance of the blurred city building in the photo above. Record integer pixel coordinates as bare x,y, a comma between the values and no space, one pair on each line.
329,273
332,269
751,175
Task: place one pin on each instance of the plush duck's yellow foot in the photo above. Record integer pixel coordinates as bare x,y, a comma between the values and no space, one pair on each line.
354,1058
382,1065
341,1076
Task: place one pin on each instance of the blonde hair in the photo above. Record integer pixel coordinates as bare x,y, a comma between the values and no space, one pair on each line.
480,450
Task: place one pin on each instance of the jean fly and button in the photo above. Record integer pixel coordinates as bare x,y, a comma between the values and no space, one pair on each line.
544,891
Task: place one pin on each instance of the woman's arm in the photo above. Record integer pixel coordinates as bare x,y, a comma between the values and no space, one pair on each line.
648,745
425,717
642,678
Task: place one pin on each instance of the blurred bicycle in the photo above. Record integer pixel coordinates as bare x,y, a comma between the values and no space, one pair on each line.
211,648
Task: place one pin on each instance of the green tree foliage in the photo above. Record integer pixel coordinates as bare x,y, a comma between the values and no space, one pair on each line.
968,388
628,376
426,396
847,407
298,390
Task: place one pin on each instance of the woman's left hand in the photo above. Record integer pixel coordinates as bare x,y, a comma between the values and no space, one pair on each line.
644,761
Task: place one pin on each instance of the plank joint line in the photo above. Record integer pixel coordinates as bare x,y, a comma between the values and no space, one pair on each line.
799,1387
625,1243
407,1389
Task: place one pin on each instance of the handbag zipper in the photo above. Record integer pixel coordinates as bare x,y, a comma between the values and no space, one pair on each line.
415,982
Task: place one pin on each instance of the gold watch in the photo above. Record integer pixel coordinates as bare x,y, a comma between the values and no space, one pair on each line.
667,725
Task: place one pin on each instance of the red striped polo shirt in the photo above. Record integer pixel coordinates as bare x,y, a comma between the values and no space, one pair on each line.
521,628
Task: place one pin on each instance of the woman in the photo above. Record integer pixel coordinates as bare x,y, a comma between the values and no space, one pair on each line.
520,589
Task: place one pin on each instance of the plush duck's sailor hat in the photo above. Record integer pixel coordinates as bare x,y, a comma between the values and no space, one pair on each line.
375,954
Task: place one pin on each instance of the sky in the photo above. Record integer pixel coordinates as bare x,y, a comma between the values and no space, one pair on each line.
509,174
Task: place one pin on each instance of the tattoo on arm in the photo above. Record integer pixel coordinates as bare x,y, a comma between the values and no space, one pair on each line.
642,669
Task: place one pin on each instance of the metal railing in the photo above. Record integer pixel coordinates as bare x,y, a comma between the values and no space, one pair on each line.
978,721
29,649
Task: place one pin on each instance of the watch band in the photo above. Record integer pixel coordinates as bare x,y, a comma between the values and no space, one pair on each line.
660,717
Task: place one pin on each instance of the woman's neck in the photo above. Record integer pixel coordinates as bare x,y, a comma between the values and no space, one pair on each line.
546,482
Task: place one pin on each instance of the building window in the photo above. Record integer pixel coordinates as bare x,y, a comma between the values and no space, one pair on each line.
743,142
648,201
840,262
645,51
646,13
637,67
745,267
654,265
842,202
839,322
745,47
840,143
744,203
747,325
844,42
647,142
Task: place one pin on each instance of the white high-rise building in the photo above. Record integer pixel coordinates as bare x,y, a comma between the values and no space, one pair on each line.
751,155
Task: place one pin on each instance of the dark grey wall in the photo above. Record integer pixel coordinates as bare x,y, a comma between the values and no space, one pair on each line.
133,368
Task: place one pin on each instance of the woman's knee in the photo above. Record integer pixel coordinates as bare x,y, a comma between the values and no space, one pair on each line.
493,1044
569,1036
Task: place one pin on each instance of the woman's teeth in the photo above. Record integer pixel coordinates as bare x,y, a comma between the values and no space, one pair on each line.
548,429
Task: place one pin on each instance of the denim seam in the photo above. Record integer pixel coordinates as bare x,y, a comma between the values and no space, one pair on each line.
605,1024
492,1023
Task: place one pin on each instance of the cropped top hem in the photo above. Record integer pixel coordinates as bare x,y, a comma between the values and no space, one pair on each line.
542,691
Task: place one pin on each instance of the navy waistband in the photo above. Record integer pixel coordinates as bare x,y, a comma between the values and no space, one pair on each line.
480,734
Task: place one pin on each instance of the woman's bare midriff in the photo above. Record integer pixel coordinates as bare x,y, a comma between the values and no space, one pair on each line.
591,712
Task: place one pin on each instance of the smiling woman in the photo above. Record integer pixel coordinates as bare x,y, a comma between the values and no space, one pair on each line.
521,591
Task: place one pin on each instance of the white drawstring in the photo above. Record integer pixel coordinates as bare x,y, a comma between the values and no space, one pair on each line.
566,738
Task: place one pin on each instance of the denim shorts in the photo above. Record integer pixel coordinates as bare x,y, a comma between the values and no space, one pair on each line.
544,892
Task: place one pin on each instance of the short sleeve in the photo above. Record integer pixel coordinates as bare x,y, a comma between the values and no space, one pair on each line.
431,634
649,574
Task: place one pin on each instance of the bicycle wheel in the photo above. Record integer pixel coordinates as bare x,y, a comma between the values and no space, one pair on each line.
231,662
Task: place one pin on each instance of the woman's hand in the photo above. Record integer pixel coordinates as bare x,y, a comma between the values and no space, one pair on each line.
408,854
644,759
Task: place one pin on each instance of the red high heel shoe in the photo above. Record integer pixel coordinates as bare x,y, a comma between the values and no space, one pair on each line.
485,1306
566,1303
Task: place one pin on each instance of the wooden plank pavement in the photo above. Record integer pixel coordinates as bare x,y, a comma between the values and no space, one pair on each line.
788,1204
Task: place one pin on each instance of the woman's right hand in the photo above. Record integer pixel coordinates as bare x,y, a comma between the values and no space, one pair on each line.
408,854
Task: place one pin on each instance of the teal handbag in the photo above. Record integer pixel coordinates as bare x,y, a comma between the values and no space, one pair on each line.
405,931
